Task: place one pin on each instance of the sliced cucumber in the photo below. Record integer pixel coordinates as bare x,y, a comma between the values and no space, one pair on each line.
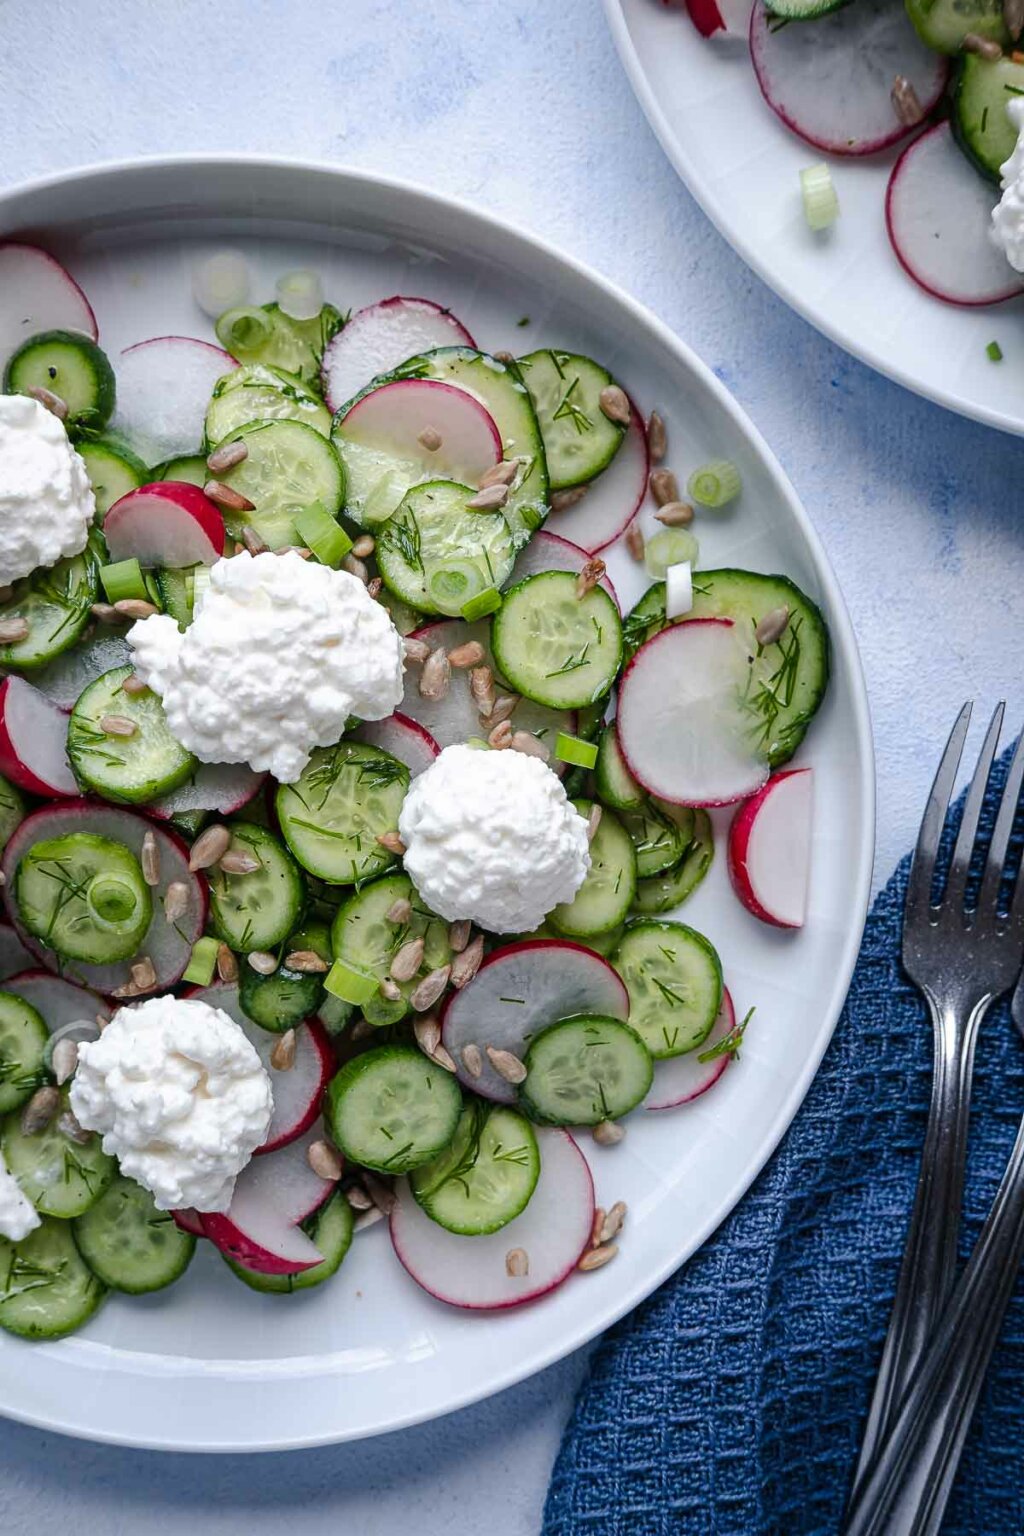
344,800
46,1288
189,467
84,896
256,392
286,998
585,1070
606,895
288,466
436,554
663,892
12,810
486,1177
62,1177
404,618
980,122
55,605
555,647
805,10
260,909
270,336
392,1109
177,593
70,366
129,769
674,979
23,1040
579,439
943,24
330,1229
129,1244
365,937
615,785
659,838
113,471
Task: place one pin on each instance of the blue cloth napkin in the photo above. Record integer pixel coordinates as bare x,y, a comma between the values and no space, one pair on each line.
731,1402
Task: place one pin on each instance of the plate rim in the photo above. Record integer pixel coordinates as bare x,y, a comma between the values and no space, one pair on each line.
845,644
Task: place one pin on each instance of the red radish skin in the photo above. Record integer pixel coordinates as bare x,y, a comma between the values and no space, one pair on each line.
550,552
404,738
272,1196
381,336
681,1079
770,849
33,741
60,1002
189,1221
219,787
38,294
706,17
613,499
722,20
169,523
470,1272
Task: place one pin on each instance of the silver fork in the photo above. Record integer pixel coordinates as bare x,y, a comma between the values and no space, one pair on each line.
962,960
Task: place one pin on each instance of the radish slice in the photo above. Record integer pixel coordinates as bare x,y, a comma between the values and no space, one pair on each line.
163,390
613,499
66,678
168,946
770,849
219,787
550,552
518,990
725,19
272,1195
378,338
680,1079
190,1221
36,294
33,741
938,212
15,959
168,524
470,1272
685,730
405,739
60,1002
830,81
297,1092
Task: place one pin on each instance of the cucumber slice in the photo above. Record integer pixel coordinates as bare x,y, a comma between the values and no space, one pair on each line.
84,896
365,937
486,1177
257,910
346,798
113,471
129,1244
177,593
658,838
331,1229
189,467
23,1040
60,1176
982,128
55,605
256,392
674,979
943,24
270,336
289,465
606,895
663,892
436,554
392,1109
12,810
70,366
615,785
131,770
585,1070
286,998
579,439
804,10
46,1288
554,647
405,619
788,678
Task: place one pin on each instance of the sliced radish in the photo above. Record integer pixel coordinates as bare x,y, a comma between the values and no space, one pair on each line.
679,1079
33,741
169,523
471,1272
378,338
273,1194
831,81
37,294
405,739
550,552
770,849
299,1090
169,946
66,679
938,212
518,990
60,1002
163,389
728,19
190,1221
684,727
15,959
219,787
613,499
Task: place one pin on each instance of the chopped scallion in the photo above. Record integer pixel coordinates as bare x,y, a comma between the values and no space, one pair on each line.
319,532
124,579
351,984
485,602
575,751
821,205
714,485
203,962
994,352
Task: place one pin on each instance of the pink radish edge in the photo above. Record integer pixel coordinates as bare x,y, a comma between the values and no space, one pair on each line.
33,741
406,408
166,523
60,1002
189,1221
404,738
764,853
428,326
549,551
219,787
273,1194
679,1080
57,304
613,499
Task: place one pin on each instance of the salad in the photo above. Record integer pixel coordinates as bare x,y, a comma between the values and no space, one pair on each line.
345,818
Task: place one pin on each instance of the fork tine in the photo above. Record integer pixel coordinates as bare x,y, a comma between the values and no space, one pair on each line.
1003,828
923,864
964,849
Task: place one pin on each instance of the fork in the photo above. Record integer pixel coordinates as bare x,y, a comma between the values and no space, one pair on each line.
962,959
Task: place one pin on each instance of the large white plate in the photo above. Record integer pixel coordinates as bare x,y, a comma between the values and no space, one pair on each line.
209,1365
742,165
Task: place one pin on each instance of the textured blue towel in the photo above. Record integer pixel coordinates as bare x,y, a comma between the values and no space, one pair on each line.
731,1402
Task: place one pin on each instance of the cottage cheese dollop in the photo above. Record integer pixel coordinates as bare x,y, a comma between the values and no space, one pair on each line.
18,1216
280,652
492,837
180,1097
46,501
1008,215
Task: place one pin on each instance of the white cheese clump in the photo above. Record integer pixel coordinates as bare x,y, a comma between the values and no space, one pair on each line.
280,652
46,502
18,1216
180,1097
492,837
1008,215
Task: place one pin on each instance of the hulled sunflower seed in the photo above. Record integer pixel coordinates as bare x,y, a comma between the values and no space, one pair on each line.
252,541
984,47
664,486
506,1064
436,677
392,842
517,1263
430,439
381,1193
597,1258
133,686
358,1199
407,960
227,964
608,1133
106,613
561,501
614,404
472,1059
127,991
209,847
1013,16
135,608
529,745
262,962
399,911
282,1057
426,993
441,1058
502,473
905,102
416,651
13,630
467,962
390,990
612,1224
364,546
143,974
491,499
367,1219
356,568
501,736
176,900
634,537
49,401
64,1060
595,1226
594,821
588,578
70,1126
306,961
149,858
471,654
361,1030
325,1161
506,358
226,497
227,456
428,1033
481,686
118,725
374,587
675,514
503,708
657,438
773,626
237,862
39,1110
459,934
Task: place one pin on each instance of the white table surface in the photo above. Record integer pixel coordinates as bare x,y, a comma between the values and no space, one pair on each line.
519,106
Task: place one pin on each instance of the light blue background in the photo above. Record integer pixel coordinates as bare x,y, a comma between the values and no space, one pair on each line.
521,107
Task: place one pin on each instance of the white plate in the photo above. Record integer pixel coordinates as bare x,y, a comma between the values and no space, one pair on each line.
210,1365
742,165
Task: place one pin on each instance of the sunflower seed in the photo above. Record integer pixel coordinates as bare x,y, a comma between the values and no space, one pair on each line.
441,1058
471,654
39,1111
615,404
252,541
143,974
595,1226
984,47
209,847
502,473
773,626
491,499
176,900
127,991
392,842
106,613
561,501
367,1219
118,725
262,962
382,1195
905,101
13,630
102,1020
427,992
361,1030
358,1199
517,1263
458,935
307,962
428,1034
282,1057
501,736
675,514
374,587
608,1133
69,1126
430,439
435,679
589,576
390,990
135,608
664,486
506,1064
503,708
416,651
472,1059
597,1258
364,546
356,568
49,401
634,537
64,1060
467,963
612,1224
594,821
529,745
227,497
657,438
227,456
399,911
237,862
133,685
325,1161
227,965
407,960
481,686
1013,16
505,358
149,858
